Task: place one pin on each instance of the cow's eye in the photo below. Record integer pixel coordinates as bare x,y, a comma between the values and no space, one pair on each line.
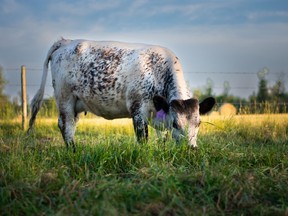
175,125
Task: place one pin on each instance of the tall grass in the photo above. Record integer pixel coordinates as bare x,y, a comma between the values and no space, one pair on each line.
272,107
240,167
10,110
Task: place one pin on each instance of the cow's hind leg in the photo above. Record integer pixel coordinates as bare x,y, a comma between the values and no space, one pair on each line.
67,122
67,126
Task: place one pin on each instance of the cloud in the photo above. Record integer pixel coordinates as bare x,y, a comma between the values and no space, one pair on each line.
193,8
205,46
260,15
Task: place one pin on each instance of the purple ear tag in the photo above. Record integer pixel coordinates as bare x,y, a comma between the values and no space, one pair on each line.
161,115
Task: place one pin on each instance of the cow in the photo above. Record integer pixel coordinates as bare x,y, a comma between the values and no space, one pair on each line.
120,80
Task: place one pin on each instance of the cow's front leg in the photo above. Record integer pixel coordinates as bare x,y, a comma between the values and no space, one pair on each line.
140,128
139,123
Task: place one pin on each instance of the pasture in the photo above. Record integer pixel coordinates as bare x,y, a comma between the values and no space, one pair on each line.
240,168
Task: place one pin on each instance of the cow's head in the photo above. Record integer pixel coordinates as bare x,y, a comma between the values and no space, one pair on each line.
181,117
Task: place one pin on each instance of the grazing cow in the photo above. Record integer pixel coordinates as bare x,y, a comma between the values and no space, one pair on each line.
119,80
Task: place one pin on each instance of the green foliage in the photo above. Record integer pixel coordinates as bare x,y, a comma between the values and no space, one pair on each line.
49,108
240,168
3,83
271,99
262,91
8,109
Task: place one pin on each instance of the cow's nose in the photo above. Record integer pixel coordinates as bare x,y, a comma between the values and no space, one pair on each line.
193,142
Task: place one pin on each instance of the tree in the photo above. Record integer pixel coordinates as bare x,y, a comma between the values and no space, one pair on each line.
262,94
262,91
227,88
49,107
209,87
278,89
6,108
3,82
197,93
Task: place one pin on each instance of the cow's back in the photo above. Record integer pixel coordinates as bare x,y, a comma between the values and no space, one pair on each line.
107,76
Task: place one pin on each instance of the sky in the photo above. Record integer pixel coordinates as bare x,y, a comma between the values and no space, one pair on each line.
223,41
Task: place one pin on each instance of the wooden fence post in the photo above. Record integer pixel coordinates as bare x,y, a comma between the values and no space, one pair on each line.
24,97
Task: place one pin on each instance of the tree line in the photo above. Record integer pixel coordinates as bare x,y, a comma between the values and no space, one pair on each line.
267,99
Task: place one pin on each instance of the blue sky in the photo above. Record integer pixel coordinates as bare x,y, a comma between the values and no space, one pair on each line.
208,36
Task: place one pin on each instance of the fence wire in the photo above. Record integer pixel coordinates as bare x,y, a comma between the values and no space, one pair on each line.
245,73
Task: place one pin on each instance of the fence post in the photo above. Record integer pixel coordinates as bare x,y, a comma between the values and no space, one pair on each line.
24,97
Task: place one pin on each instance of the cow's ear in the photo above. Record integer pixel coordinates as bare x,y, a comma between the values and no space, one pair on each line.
206,105
185,106
160,103
178,105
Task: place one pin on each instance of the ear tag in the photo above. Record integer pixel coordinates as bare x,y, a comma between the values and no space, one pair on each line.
161,115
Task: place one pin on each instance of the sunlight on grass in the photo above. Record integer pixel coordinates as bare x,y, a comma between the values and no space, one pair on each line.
239,168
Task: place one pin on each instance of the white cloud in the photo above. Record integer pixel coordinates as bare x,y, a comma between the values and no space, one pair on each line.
175,9
192,8
241,47
258,15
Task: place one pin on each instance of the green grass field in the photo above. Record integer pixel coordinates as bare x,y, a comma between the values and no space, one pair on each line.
240,168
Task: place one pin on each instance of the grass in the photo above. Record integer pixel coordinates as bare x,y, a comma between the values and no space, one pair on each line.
240,168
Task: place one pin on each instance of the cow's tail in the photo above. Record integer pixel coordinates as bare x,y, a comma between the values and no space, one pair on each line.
38,98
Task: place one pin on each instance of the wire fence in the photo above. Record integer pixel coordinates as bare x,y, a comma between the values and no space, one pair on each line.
242,107
233,73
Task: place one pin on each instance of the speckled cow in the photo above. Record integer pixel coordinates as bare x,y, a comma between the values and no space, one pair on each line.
119,80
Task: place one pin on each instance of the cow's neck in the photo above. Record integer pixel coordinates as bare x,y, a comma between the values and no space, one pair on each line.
175,86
